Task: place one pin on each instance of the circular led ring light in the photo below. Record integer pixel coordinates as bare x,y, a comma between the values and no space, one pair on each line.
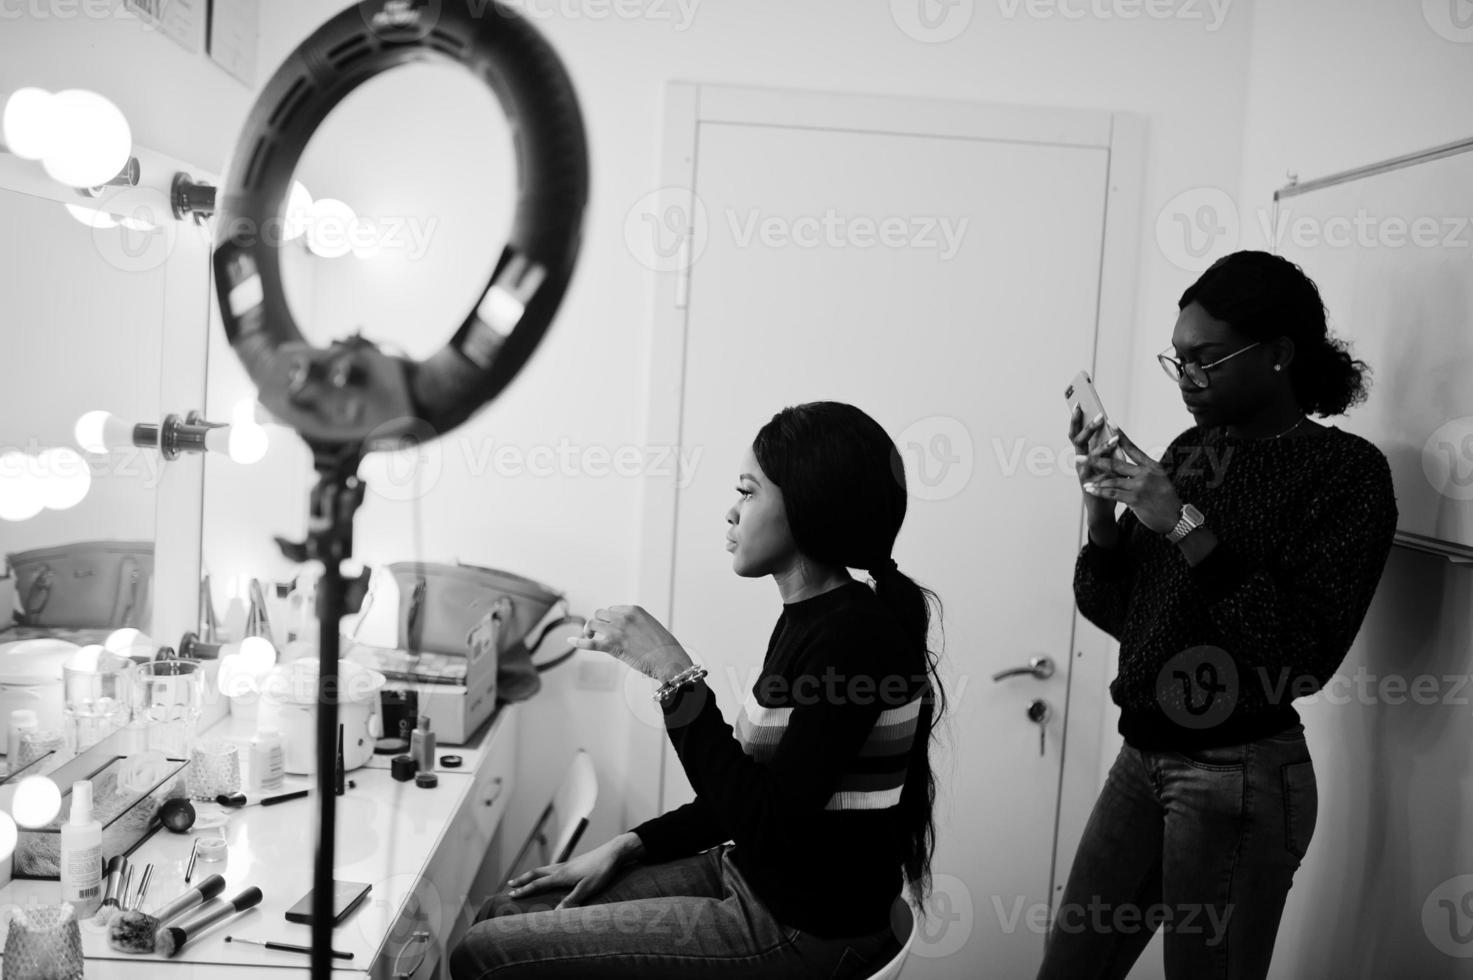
351,393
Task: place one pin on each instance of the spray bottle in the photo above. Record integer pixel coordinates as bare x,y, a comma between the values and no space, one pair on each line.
81,853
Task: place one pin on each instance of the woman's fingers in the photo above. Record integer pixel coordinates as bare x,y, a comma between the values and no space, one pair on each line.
574,898
536,880
1082,435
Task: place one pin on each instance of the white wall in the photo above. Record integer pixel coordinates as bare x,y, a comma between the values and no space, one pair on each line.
1378,80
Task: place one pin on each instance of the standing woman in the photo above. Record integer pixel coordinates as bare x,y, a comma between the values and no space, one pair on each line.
825,788
1235,579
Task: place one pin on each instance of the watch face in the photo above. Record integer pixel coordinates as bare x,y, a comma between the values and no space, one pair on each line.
1192,514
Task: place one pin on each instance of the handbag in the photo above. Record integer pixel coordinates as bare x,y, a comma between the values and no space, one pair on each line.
85,585
474,611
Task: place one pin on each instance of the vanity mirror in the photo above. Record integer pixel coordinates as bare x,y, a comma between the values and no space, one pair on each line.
106,300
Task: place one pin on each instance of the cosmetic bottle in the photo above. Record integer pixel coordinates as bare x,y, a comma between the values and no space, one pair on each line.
422,745
81,853
268,760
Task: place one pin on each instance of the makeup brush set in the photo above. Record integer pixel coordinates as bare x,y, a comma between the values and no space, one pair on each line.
168,929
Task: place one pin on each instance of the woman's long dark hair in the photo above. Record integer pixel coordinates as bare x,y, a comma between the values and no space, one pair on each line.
1265,296
843,486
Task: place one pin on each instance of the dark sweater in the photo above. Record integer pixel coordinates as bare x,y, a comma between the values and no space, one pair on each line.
1215,654
807,785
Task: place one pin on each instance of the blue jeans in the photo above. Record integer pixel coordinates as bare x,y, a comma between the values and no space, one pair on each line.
691,917
1201,844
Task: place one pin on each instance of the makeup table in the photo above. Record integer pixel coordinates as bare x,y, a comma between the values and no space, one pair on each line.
419,849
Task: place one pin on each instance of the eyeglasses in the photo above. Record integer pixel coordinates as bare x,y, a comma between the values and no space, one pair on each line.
1196,373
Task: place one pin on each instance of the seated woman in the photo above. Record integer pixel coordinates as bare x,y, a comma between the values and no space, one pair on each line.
824,791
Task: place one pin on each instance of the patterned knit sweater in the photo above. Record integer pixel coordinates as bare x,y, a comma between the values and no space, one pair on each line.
1215,654
807,784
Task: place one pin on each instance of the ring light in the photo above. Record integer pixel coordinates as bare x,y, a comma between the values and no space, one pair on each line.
352,394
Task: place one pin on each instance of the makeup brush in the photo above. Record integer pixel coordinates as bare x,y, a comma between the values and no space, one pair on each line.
110,905
142,887
134,931
171,939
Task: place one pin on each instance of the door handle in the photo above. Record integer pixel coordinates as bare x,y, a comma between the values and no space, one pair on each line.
1040,667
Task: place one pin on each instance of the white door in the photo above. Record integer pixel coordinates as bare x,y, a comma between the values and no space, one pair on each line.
947,282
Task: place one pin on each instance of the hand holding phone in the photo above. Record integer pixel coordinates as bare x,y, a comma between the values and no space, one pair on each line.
1081,394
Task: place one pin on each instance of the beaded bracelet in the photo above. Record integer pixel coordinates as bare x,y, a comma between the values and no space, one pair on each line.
688,676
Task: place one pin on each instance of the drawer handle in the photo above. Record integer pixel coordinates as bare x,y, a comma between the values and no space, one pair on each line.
496,795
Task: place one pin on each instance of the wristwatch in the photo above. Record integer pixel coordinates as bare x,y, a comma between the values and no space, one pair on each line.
1189,520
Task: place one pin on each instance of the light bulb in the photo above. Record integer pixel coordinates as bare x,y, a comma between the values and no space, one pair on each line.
66,478
257,655
91,217
102,432
20,490
28,123
85,658
365,238
8,836
248,443
298,212
329,230
91,141
129,642
37,802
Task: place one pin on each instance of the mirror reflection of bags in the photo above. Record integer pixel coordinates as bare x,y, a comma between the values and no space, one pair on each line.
475,611
85,585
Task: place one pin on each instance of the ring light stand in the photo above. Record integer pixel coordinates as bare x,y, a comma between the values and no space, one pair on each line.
351,398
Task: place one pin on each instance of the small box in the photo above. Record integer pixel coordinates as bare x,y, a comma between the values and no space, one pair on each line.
127,816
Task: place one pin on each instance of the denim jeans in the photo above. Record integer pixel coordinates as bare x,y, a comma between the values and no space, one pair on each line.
1201,844
691,917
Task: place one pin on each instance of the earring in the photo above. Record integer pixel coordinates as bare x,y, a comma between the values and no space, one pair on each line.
1278,367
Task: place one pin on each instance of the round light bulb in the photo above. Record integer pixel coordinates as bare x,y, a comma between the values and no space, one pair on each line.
8,836
298,212
37,802
20,492
365,238
85,658
92,217
102,432
128,642
257,655
329,230
66,478
248,443
91,141
28,123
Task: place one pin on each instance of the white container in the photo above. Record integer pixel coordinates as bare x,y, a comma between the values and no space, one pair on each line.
268,761
289,705
81,854
30,677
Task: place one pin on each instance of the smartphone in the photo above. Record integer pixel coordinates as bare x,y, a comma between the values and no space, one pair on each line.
346,896
1081,392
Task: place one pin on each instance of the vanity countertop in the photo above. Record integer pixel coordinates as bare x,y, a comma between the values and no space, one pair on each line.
390,834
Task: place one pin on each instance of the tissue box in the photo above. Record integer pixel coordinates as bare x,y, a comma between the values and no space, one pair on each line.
126,815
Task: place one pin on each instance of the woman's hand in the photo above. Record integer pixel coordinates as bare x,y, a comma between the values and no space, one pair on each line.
587,874
1139,483
1091,466
630,634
